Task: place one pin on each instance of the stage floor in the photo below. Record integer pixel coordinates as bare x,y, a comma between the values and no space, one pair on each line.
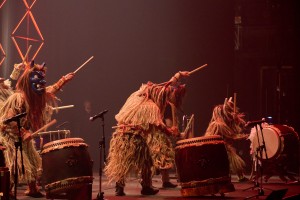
133,188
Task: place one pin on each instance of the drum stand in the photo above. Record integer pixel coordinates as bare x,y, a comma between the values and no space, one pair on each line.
259,151
297,182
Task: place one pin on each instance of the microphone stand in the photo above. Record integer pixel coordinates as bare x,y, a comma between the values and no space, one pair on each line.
100,195
17,145
259,150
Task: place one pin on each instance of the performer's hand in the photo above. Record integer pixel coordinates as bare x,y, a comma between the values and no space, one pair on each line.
26,135
174,131
20,66
179,75
69,76
184,73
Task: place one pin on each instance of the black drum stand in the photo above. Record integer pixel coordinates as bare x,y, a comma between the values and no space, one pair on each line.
102,155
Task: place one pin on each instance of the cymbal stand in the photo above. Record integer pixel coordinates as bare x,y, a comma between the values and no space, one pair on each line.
258,163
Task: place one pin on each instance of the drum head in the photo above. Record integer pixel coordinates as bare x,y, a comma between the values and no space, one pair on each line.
272,142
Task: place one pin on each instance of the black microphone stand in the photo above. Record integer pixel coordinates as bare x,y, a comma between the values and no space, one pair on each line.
17,145
100,195
259,151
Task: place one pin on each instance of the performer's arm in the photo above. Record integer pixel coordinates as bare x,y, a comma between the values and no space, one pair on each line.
60,83
18,68
15,74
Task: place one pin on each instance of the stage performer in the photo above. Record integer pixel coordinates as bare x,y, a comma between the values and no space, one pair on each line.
32,97
229,123
140,142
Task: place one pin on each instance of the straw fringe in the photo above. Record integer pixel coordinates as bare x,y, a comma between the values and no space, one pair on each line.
128,152
161,149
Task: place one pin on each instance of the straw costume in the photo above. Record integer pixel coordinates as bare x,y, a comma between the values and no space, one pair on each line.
139,142
228,122
31,96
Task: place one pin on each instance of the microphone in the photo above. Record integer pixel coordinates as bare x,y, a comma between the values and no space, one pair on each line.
98,115
14,118
254,123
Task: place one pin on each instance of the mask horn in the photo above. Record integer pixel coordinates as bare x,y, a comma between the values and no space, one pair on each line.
43,65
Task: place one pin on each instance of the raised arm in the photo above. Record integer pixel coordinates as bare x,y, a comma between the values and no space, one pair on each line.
174,79
60,83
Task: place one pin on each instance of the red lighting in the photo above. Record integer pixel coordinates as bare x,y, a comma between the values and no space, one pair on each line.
20,34
2,55
1,4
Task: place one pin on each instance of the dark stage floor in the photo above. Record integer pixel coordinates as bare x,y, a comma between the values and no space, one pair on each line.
133,188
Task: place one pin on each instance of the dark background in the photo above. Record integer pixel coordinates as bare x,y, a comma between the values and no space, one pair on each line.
138,41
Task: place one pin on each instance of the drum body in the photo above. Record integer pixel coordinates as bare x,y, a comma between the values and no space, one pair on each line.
203,166
67,165
4,183
281,143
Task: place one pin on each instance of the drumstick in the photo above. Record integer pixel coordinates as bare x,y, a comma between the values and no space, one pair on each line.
62,107
189,124
125,125
234,102
197,69
83,64
44,127
28,50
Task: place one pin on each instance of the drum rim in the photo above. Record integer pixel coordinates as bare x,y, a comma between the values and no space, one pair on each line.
200,139
62,143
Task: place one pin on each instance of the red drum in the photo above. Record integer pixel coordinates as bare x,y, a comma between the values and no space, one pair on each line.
2,159
4,183
67,166
203,166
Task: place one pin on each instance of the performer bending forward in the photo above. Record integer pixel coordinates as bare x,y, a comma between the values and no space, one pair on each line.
142,115
229,123
31,97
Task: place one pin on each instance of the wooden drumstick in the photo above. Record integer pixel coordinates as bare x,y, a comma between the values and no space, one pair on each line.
62,107
197,69
188,126
27,52
83,64
44,127
234,102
